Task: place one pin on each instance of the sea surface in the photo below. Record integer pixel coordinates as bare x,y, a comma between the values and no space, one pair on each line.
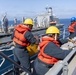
66,22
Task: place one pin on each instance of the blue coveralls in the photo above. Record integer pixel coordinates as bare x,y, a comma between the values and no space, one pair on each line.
51,49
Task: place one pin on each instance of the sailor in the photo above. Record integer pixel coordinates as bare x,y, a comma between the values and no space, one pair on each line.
23,19
50,51
15,21
72,28
72,31
5,24
22,37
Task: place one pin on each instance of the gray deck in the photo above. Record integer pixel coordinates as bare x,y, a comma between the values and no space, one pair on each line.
72,67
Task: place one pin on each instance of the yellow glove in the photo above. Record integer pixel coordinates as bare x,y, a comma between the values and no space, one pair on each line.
32,49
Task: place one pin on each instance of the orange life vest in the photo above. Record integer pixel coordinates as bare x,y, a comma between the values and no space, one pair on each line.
19,38
44,57
71,27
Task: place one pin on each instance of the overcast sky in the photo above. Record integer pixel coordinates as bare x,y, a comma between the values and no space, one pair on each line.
27,8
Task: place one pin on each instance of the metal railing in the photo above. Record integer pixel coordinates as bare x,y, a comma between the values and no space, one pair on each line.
5,57
57,68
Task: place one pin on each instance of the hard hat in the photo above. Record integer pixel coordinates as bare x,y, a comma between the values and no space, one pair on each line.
73,19
28,21
52,30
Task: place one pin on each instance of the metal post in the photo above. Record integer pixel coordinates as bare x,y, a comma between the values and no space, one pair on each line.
65,68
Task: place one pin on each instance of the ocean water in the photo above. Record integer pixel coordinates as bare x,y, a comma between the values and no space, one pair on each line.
11,22
66,22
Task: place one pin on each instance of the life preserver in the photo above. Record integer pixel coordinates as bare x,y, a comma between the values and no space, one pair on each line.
71,27
44,57
19,38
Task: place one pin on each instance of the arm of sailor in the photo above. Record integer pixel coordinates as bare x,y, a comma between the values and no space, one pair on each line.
63,41
30,37
55,51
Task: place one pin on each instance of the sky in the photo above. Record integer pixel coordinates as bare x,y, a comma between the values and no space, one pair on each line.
29,8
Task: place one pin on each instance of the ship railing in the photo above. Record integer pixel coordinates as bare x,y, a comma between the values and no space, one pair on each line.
4,57
3,60
6,68
13,62
61,68
10,67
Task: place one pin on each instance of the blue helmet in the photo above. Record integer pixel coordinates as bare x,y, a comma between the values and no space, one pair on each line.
73,19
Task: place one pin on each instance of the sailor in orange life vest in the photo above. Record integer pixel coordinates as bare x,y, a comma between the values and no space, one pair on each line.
50,51
72,29
23,37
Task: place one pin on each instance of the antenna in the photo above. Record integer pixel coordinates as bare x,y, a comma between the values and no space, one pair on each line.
46,8
49,10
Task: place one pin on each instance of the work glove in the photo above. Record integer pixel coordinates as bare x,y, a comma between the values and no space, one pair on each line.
74,42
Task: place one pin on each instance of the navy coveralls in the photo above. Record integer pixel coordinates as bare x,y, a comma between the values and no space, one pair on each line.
73,34
40,68
21,55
